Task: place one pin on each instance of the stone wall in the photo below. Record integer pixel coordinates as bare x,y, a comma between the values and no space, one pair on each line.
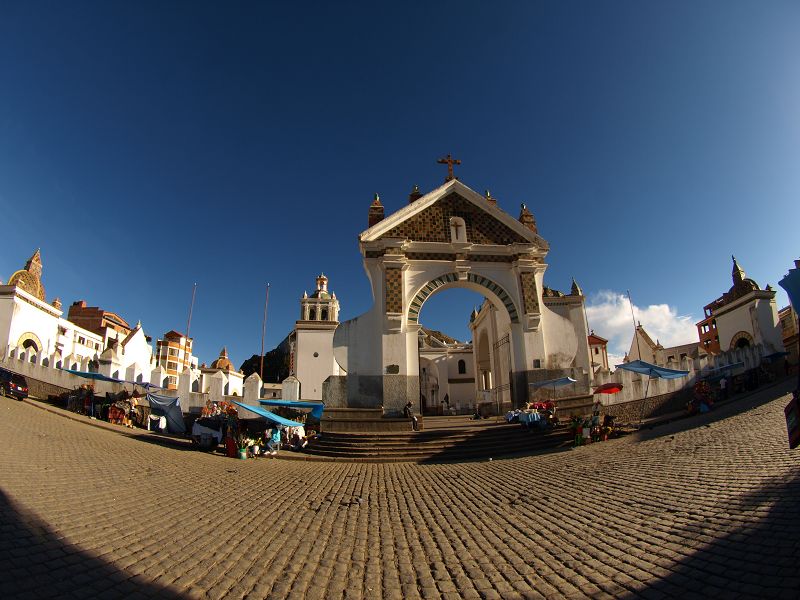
655,406
636,386
334,391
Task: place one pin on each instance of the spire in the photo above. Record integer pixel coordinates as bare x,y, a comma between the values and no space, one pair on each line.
576,289
526,218
737,273
414,195
376,213
34,264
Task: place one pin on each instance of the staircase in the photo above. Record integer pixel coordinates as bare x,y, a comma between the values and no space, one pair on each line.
435,445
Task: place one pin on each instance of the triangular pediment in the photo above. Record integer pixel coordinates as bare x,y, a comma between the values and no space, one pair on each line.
428,220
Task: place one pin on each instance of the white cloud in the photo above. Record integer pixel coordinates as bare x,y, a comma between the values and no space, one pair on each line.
609,314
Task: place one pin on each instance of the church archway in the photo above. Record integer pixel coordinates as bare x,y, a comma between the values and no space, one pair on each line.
454,237
482,285
30,341
740,340
486,342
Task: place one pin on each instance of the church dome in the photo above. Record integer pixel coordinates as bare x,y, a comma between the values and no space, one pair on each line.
223,363
30,278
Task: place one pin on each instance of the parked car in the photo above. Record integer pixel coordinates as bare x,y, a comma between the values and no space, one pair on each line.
13,384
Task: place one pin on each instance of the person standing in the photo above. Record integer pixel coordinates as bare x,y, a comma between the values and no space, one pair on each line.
723,387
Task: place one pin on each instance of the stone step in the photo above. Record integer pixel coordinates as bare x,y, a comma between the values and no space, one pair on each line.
521,436
450,454
445,450
499,430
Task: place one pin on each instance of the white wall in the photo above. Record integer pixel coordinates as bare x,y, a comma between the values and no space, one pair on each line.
312,370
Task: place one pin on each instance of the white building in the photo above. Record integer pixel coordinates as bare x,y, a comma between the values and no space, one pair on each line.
129,359
220,379
33,329
447,374
744,316
311,342
455,237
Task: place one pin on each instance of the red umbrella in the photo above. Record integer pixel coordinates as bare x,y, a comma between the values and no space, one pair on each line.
608,388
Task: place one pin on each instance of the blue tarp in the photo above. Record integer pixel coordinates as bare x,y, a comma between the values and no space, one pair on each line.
553,382
147,386
90,375
645,368
170,408
726,367
269,416
316,407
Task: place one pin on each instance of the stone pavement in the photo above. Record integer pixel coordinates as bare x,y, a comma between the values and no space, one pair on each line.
701,507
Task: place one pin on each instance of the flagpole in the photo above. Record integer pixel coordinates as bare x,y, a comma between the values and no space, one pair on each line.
191,307
263,333
635,332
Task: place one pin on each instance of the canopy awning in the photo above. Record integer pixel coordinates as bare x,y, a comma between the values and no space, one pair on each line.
608,388
553,382
645,368
91,375
731,366
315,407
270,416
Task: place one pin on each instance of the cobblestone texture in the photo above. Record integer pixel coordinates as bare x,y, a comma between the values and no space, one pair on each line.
702,507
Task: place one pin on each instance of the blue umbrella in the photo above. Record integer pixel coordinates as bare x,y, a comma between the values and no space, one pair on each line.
653,372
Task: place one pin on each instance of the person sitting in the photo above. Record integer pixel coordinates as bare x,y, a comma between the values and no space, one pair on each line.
408,413
274,443
296,442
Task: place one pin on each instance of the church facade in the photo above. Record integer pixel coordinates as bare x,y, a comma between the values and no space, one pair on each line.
456,237
743,316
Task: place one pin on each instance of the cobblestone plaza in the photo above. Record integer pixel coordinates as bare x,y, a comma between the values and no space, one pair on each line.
700,507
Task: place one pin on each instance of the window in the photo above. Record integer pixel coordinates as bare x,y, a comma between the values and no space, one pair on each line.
81,340
462,367
537,364
683,355
596,350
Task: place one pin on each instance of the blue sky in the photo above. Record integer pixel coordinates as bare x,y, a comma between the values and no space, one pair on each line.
148,146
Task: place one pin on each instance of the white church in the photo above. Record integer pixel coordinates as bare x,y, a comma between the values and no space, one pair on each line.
451,237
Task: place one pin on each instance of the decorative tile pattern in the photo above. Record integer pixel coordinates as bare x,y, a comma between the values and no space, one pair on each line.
393,290
416,304
433,224
492,258
530,298
430,256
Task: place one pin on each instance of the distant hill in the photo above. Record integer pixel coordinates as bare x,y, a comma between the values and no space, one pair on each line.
276,364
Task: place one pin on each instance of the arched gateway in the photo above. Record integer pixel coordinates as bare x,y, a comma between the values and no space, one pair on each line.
455,237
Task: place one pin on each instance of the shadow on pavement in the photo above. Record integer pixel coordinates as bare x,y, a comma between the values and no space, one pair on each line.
736,405
758,559
36,562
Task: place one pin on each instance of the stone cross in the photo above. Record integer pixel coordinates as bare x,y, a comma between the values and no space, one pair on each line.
449,161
